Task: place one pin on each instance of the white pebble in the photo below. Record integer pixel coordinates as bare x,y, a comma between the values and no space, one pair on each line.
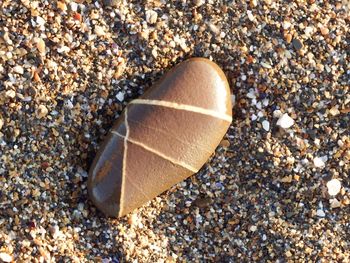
319,162
333,186
254,117
74,6
286,25
277,114
266,102
334,111
68,104
151,16
250,15
99,31
320,213
258,105
253,228
63,49
18,69
120,96
199,2
265,65
251,94
334,203
266,125
308,30
40,21
285,121
5,257
10,94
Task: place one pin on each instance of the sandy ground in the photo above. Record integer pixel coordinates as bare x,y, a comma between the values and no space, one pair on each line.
276,189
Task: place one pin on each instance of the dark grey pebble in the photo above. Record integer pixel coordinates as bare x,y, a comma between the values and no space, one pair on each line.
112,3
297,44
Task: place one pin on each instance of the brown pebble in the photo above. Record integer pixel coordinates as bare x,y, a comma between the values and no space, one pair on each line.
161,138
77,16
202,202
324,31
288,38
225,143
40,45
41,111
62,6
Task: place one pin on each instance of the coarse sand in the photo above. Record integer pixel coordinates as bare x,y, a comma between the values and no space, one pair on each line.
67,70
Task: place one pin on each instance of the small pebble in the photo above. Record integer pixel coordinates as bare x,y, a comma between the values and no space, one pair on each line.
10,94
41,111
320,213
99,31
199,2
63,49
40,21
18,69
225,143
266,125
277,114
334,111
319,162
133,219
112,3
297,44
253,228
40,45
151,16
334,203
308,30
120,96
324,31
285,121
5,257
62,6
288,254
253,3
55,231
250,15
286,25
202,202
333,186
288,38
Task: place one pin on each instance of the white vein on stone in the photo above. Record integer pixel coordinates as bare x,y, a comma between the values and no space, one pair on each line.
160,154
124,159
178,106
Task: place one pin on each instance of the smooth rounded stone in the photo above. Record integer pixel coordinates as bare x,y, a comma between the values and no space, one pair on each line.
333,186
162,137
297,44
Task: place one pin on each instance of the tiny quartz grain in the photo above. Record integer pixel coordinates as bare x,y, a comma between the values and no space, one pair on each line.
41,111
333,186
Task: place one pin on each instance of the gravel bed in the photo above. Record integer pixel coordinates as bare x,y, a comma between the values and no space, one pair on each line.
277,188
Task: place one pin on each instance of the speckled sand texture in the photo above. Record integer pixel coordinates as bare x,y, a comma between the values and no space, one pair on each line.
277,188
